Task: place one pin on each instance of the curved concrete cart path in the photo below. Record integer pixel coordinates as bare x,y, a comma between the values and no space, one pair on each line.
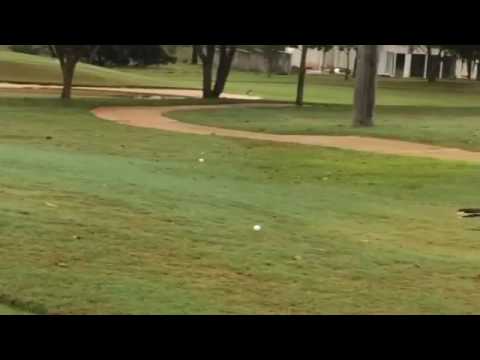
157,118
120,90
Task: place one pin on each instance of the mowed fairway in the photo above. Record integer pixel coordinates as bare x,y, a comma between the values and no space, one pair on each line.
101,218
5,310
104,218
455,126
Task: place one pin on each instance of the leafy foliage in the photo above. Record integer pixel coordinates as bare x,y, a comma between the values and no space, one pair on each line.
30,49
124,55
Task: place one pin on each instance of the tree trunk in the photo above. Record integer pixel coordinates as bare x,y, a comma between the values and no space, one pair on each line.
301,76
324,59
93,58
365,88
194,55
224,67
478,71
434,68
355,64
207,80
225,61
431,77
207,64
441,64
68,71
269,66
469,68
347,71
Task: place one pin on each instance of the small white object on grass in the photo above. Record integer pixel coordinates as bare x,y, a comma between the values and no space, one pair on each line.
201,160
257,228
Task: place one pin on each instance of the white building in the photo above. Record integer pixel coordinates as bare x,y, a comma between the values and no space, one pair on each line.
394,61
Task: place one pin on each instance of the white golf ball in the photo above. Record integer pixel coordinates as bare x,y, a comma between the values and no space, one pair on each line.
201,160
257,228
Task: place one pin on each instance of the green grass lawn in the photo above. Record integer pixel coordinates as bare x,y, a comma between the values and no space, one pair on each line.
99,218
18,67
107,219
5,310
446,126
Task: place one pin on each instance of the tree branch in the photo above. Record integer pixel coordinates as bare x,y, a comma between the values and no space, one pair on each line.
200,52
52,50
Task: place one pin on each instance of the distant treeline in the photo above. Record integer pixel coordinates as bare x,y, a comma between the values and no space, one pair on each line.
112,55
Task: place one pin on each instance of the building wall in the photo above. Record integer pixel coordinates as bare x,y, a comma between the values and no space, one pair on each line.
320,60
314,58
387,61
462,70
344,59
252,61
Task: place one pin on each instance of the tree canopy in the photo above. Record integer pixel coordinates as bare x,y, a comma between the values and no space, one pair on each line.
69,56
124,55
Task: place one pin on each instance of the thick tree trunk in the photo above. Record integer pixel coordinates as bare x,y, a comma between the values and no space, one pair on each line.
207,80
207,58
194,55
301,76
68,71
224,67
365,88
225,60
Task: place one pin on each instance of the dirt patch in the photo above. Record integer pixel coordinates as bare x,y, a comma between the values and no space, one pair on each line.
157,118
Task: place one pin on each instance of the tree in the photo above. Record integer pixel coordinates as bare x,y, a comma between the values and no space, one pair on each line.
431,77
301,75
348,49
225,53
467,53
302,72
355,64
69,56
365,87
470,54
434,61
124,55
272,53
194,55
